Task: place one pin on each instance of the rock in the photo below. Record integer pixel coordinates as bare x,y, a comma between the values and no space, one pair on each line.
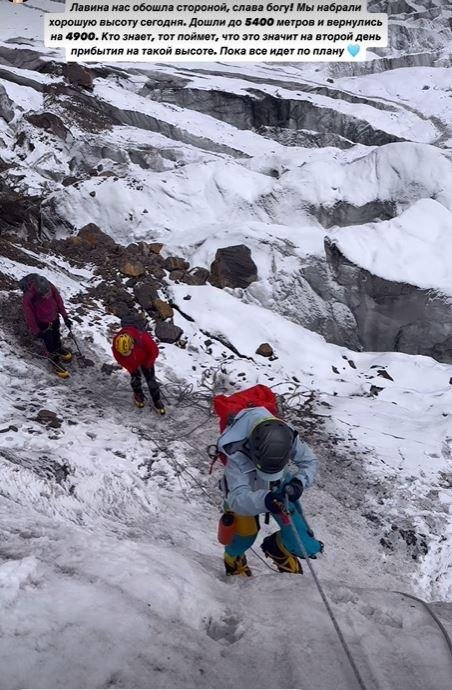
6,106
384,374
176,276
69,180
145,294
157,272
108,369
78,75
129,267
93,193
20,215
155,247
176,263
164,310
233,267
375,390
92,237
196,276
50,123
167,332
265,350
117,300
48,418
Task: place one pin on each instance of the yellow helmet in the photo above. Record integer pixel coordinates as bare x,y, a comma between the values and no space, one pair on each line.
124,344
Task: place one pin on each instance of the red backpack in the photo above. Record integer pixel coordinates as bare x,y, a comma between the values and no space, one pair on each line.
227,406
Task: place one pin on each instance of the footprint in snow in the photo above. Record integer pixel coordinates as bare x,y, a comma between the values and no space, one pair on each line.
227,630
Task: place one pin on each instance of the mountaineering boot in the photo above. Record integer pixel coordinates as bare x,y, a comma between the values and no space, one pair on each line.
58,368
236,565
138,400
160,408
285,561
65,355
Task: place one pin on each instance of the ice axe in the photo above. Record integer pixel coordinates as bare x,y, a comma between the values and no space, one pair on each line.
86,362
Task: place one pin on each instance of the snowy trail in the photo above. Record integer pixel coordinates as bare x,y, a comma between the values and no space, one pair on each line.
121,581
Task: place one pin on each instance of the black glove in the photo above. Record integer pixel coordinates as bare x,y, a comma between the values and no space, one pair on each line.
68,322
274,502
294,489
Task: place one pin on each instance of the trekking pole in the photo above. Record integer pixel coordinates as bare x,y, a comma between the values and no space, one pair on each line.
49,359
322,593
71,335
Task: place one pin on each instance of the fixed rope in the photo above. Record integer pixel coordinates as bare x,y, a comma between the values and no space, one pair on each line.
342,639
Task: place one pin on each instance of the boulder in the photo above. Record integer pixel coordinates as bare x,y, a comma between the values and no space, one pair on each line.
164,310
176,263
233,267
78,75
176,276
265,350
155,247
48,419
167,332
157,272
196,276
92,237
130,267
145,294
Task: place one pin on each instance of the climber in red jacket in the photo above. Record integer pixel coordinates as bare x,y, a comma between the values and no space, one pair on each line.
42,305
136,351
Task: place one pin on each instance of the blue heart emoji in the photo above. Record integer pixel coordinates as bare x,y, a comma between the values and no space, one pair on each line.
353,49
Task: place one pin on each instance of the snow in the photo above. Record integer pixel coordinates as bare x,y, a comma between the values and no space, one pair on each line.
401,172
23,96
414,248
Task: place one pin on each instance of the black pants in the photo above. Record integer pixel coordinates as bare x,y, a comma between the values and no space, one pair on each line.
149,375
51,336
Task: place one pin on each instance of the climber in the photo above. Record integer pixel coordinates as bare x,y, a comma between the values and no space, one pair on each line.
258,447
42,305
136,351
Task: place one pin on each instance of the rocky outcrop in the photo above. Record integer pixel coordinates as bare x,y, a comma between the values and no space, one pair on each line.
20,215
258,109
344,214
6,106
50,123
78,75
393,316
233,267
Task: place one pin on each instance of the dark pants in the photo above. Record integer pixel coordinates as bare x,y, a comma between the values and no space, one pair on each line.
51,336
149,375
